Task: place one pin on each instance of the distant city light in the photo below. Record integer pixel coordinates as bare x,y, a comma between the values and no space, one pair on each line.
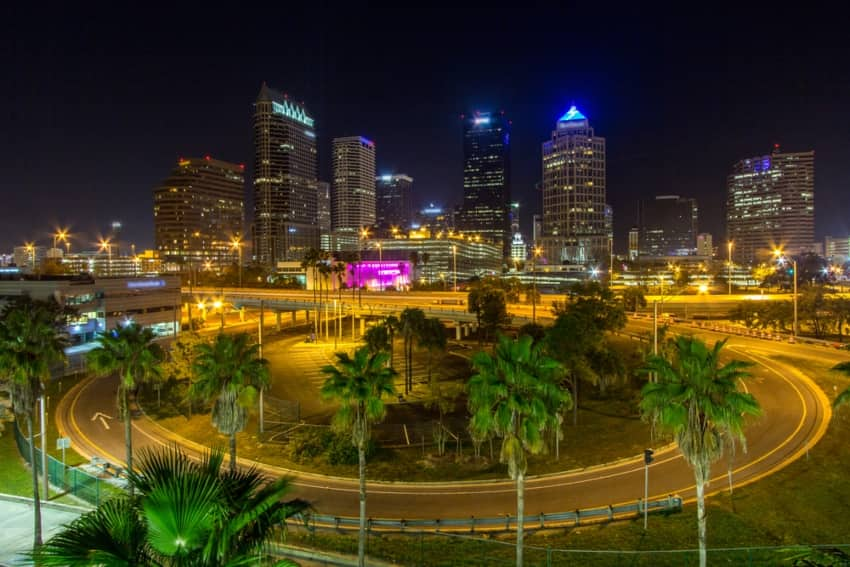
481,120
386,178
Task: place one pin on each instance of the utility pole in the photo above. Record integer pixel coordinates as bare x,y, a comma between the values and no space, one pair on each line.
795,299
260,340
729,271
647,458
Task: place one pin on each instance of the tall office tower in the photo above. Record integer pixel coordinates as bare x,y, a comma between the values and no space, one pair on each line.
668,226
285,178
115,238
353,191
198,210
394,208
770,204
487,178
574,230
323,214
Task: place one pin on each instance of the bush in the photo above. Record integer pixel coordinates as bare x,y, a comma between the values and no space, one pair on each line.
342,452
309,443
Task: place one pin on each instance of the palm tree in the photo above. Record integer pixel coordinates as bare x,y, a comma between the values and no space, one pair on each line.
377,338
186,513
698,400
359,384
130,352
393,326
411,320
30,343
515,395
229,373
414,263
310,261
432,337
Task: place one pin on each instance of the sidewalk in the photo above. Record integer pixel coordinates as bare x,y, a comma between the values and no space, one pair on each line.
16,527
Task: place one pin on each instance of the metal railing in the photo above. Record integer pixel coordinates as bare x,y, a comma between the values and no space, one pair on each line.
504,523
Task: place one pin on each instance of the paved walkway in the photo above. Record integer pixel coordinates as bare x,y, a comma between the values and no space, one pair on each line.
16,525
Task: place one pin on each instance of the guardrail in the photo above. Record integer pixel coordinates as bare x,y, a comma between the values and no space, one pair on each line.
472,524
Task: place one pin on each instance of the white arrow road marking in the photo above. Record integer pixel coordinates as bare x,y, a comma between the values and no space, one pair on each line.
100,415
103,421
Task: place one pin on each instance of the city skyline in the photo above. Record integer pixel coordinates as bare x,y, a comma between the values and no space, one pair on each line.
113,130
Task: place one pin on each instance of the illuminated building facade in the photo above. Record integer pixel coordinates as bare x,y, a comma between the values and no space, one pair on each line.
198,211
353,191
574,220
668,226
285,179
472,257
770,204
394,207
486,178
103,303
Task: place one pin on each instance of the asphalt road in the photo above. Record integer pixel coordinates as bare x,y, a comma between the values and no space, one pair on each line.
796,413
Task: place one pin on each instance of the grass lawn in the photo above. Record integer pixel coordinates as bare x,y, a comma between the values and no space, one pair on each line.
807,502
608,429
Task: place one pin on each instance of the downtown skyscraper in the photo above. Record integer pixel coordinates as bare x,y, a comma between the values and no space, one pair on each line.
198,212
285,179
394,202
770,204
574,209
353,189
487,178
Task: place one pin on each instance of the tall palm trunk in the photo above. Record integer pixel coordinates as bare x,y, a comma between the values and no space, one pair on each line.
128,431
520,514
392,349
575,401
233,452
361,540
36,502
701,519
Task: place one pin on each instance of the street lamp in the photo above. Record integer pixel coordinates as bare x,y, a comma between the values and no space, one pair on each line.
237,243
537,252
454,265
778,254
30,247
364,234
105,244
380,263
729,271
220,306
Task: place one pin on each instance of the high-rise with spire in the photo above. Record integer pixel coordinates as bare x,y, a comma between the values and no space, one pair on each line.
285,179
574,220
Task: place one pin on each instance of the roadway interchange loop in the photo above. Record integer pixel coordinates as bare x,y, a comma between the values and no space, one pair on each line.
796,414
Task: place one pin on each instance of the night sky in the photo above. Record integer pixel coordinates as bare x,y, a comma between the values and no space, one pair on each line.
97,106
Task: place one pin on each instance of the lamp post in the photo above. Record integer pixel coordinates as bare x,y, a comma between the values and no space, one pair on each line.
380,263
364,234
454,266
778,254
237,243
795,298
537,251
729,271
105,244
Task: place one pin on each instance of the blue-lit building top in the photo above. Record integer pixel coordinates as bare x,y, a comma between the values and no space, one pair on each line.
486,178
576,225
393,202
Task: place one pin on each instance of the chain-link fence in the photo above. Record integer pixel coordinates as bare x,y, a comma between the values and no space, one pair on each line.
72,480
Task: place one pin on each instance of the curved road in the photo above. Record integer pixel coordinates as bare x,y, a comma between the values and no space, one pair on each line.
796,414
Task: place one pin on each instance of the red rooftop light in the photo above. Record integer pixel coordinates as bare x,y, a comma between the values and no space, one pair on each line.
207,157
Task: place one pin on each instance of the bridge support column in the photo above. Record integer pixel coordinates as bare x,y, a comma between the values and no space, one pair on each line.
307,315
457,331
277,321
242,314
362,326
294,317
